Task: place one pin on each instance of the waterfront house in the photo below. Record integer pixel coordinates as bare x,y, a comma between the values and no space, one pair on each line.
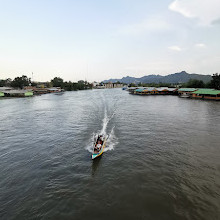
5,88
167,91
11,92
209,94
139,91
17,93
150,90
54,90
39,91
186,92
131,90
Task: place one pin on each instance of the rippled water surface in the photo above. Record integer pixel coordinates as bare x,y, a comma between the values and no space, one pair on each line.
162,160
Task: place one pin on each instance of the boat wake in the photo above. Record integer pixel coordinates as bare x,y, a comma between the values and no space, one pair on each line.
111,138
105,122
112,141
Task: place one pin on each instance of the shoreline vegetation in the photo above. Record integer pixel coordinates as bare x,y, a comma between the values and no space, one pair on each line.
24,81
24,87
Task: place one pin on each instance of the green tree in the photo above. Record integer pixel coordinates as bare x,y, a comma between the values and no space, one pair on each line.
215,82
68,86
2,82
195,83
20,82
208,85
57,82
81,85
6,82
131,85
33,84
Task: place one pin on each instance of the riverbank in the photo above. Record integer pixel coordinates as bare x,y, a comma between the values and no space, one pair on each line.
28,91
196,93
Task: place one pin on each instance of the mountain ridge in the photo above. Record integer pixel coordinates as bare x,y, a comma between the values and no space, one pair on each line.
180,77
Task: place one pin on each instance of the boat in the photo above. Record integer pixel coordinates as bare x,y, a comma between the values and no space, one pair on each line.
184,95
99,146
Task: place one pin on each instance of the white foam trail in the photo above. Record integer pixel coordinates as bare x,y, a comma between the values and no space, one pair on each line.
104,123
112,141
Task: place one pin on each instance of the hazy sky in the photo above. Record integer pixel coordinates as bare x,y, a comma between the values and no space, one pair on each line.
100,39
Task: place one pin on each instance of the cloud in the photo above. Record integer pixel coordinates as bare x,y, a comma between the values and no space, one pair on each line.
200,45
206,11
152,24
175,48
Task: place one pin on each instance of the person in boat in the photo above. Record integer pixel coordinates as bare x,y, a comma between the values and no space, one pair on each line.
99,146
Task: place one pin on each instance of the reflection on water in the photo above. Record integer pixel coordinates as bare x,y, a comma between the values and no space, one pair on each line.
161,160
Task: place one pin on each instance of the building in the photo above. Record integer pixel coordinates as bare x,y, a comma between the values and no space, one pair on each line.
95,84
110,85
186,92
118,85
55,90
139,91
17,93
131,90
209,94
167,91
153,91
11,92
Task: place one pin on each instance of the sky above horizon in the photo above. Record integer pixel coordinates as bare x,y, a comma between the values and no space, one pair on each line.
98,40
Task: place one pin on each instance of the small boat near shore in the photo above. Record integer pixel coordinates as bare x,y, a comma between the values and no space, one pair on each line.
99,146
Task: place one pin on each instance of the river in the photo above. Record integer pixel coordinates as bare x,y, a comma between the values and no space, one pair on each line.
162,159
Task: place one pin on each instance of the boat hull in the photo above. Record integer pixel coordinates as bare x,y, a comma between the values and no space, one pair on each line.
95,155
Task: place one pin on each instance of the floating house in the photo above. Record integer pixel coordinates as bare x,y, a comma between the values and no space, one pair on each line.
2,94
154,91
209,94
131,90
18,93
10,92
139,91
186,92
55,90
167,91
5,88
40,91
150,91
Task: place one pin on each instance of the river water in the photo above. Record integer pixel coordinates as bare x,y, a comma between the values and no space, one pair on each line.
162,159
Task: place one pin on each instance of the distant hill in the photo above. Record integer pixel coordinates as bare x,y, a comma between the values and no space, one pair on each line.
181,77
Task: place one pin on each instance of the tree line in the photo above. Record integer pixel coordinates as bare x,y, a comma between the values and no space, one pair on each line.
21,82
70,86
